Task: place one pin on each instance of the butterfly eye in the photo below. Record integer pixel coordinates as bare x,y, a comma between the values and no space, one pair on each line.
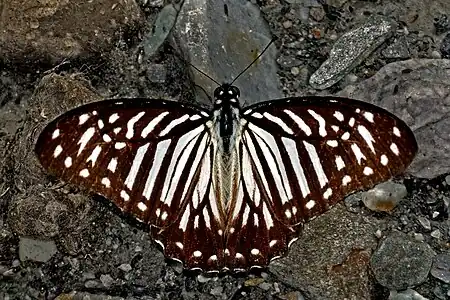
235,91
219,92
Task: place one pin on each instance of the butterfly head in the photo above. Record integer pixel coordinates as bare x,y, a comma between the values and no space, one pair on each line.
226,94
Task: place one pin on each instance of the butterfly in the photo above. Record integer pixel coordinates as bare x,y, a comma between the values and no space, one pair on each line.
226,189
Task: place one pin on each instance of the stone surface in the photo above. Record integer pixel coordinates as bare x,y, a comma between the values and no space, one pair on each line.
324,263
441,267
41,31
223,43
401,262
36,250
350,50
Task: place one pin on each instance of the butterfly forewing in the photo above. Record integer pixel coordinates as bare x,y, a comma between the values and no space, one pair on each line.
311,152
145,155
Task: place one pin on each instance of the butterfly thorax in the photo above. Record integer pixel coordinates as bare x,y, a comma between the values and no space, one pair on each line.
227,131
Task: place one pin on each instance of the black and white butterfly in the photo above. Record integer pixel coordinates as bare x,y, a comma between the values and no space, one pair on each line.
227,189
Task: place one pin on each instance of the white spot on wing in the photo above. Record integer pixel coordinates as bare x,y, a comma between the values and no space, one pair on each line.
142,206
124,195
94,155
396,131
84,173
257,115
339,116
299,121
316,163
106,138
152,124
366,136
112,118
384,160
130,124
288,214
83,118
322,130
55,134
279,122
327,193
68,162
368,116
368,171
332,143
310,204
197,253
351,122
57,151
136,165
345,136
172,124
179,245
106,182
112,164
339,163
394,149
100,124
119,145
346,180
254,251
358,154
85,138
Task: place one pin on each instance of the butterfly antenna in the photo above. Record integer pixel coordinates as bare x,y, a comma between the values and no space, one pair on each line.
251,64
204,74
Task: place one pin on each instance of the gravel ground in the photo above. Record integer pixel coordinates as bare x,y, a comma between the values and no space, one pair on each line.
60,242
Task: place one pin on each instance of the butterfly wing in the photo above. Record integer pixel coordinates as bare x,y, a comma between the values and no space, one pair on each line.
299,156
152,158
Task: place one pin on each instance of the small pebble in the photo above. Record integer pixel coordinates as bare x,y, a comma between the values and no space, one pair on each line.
425,223
125,267
287,24
447,179
15,263
295,71
106,280
436,234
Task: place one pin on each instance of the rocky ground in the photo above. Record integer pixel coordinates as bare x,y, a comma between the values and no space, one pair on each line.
59,243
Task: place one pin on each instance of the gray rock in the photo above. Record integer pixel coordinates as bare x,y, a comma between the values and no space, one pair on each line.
424,222
441,267
106,280
436,234
125,267
36,250
350,50
222,45
329,241
408,294
53,31
401,262
399,49
161,28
